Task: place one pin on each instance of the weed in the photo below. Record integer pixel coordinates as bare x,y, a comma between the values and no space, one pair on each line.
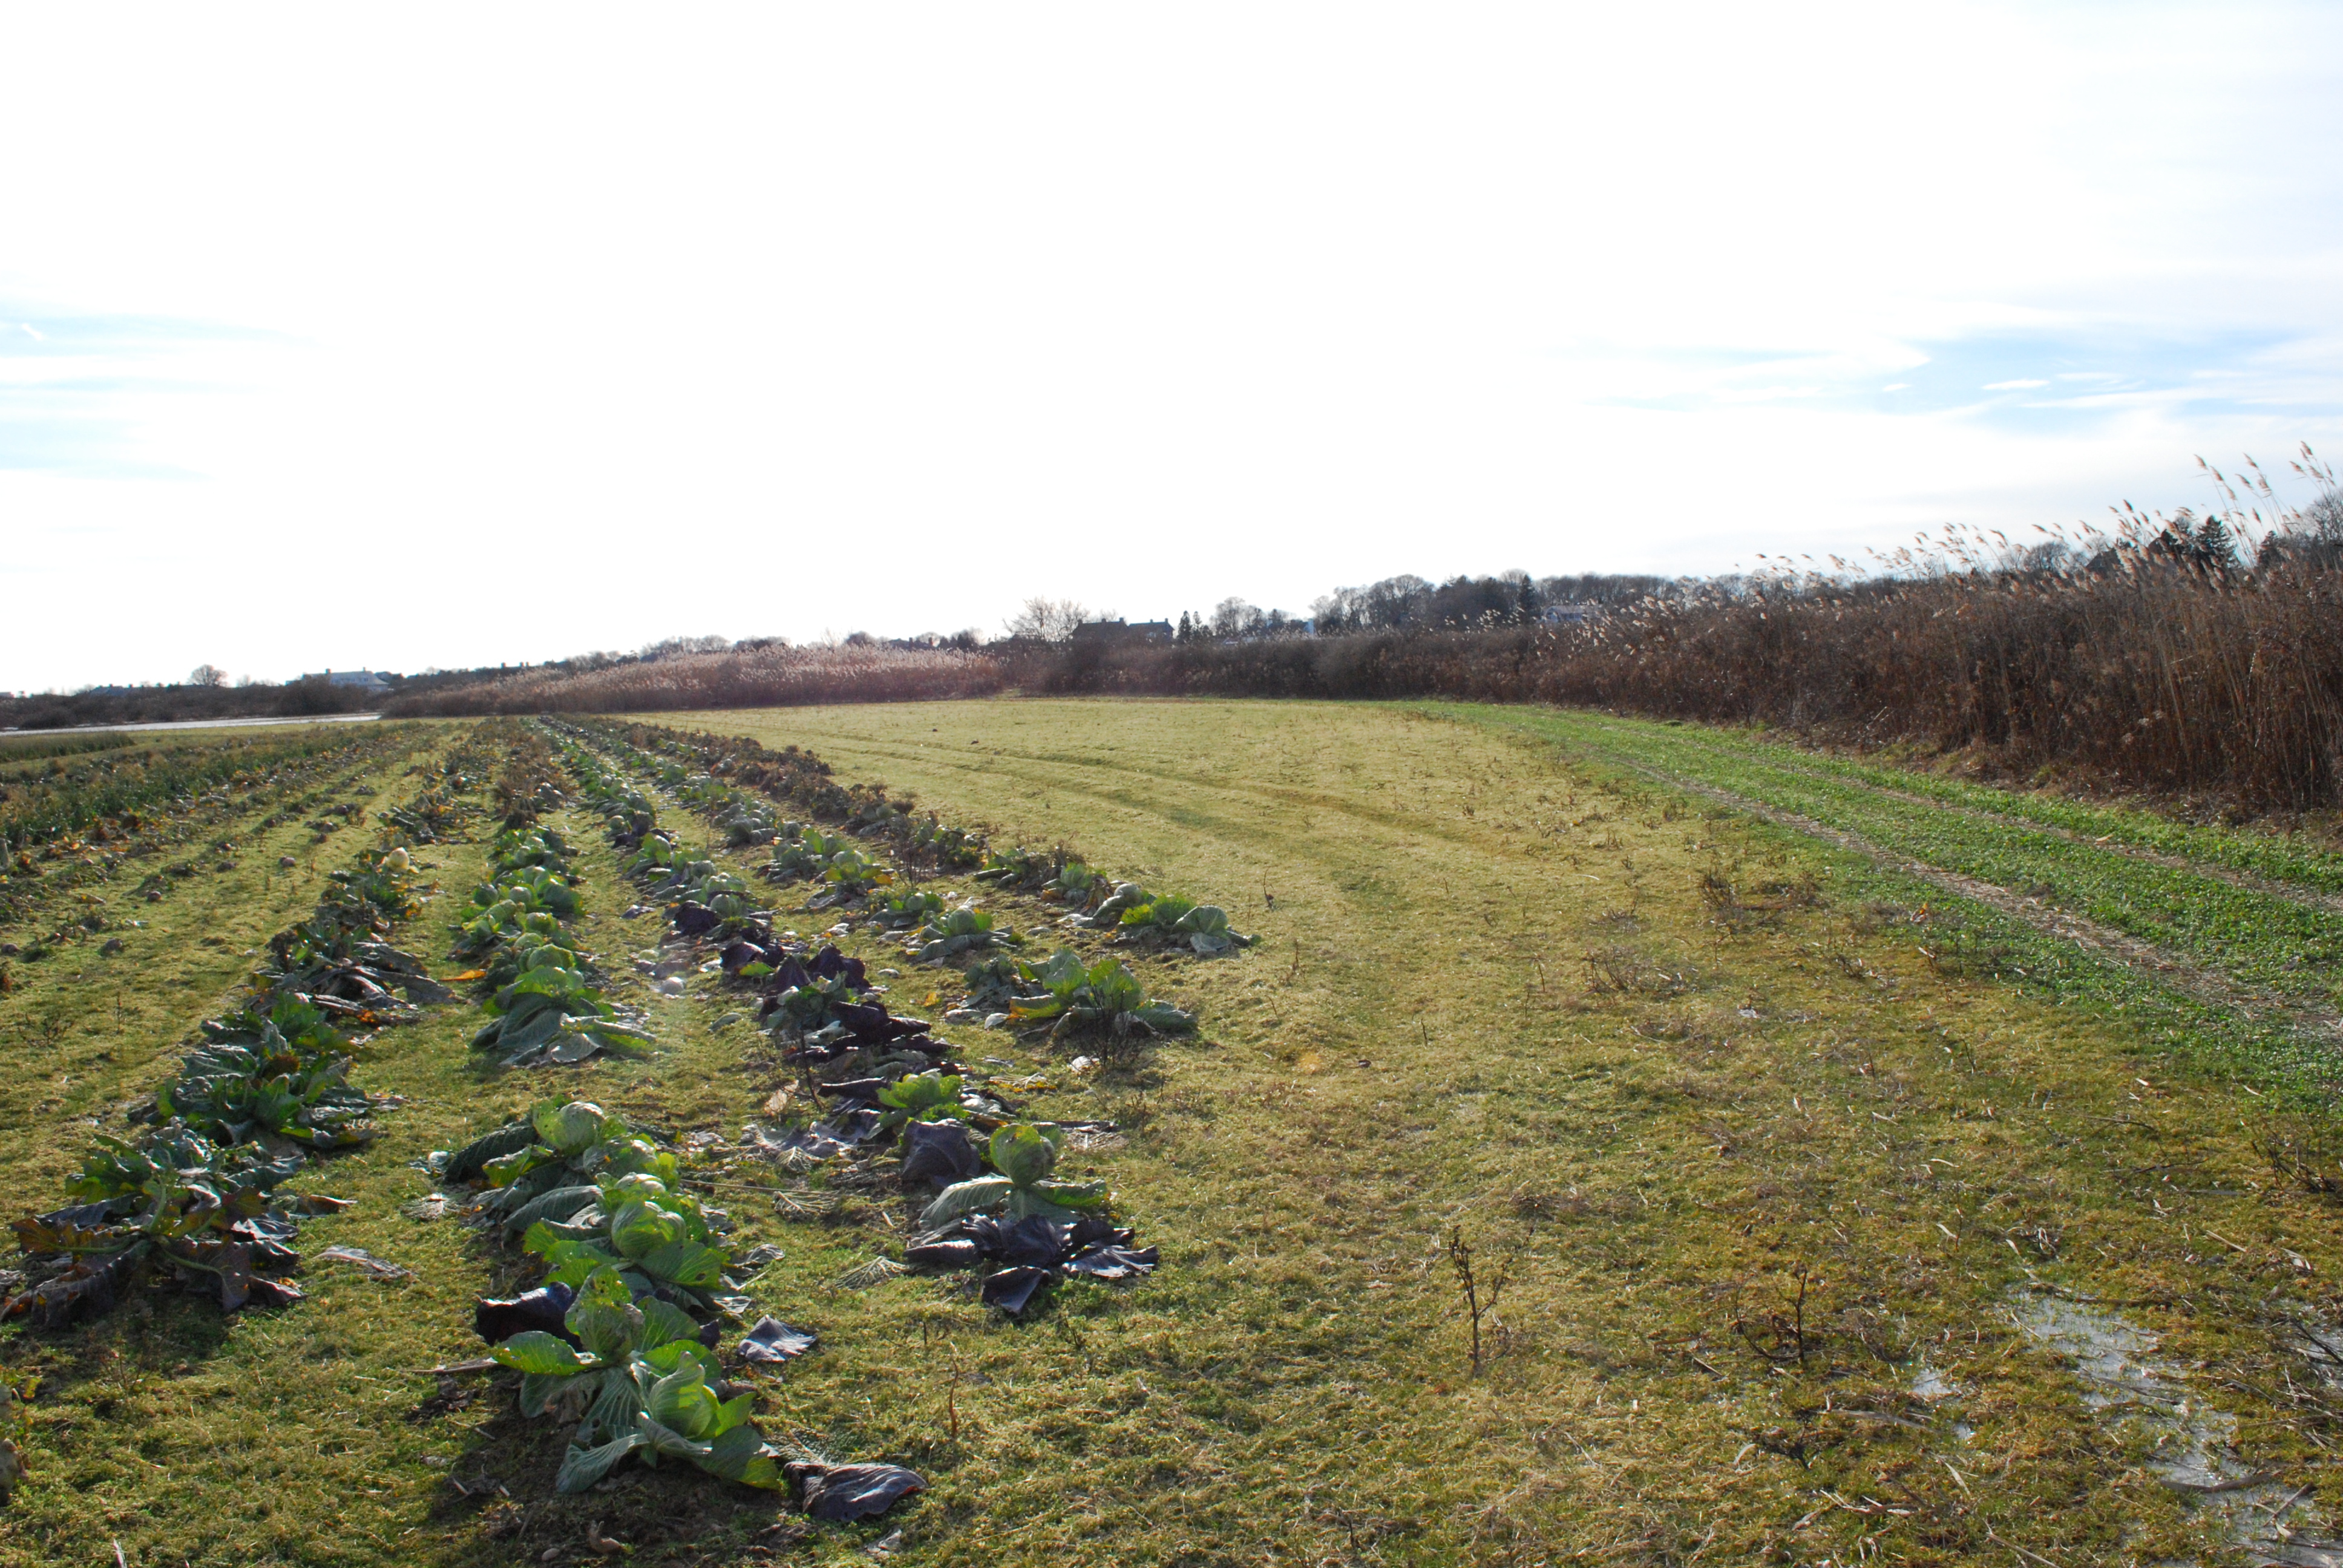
1786,1341
1956,951
2303,1156
1480,1293
1618,969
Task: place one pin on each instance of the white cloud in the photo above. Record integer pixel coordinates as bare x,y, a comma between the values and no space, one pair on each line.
763,320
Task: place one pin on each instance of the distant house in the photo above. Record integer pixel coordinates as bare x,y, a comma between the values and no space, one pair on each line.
1114,631
372,682
1569,614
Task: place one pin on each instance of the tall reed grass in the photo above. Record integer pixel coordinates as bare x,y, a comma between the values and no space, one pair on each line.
2166,680
2129,659
2152,676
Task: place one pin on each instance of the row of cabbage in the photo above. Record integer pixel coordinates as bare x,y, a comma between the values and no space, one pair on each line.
62,809
886,1083
737,782
194,1197
1063,993
51,881
545,998
617,1340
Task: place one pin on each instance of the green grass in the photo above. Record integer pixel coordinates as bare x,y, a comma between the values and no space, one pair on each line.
2254,936
2283,857
1656,1143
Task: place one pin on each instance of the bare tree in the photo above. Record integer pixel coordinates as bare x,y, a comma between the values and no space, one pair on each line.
674,644
1235,618
1050,619
2323,518
207,674
2046,555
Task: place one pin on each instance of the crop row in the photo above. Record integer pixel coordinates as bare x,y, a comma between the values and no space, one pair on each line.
545,996
1003,1208
96,846
619,1338
724,778
194,1197
110,798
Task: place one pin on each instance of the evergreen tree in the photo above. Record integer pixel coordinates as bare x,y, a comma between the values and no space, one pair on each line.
2215,548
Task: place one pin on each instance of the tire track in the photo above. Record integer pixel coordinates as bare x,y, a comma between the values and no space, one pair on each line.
2102,941
2244,880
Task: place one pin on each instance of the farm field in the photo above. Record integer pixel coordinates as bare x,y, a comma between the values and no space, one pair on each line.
1876,1168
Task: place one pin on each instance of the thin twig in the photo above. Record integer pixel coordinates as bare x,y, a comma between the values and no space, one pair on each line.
2022,1551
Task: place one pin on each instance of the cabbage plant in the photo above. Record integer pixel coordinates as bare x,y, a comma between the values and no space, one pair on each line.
172,1204
930,1096
1024,1154
638,1381
994,981
746,823
657,852
803,854
515,848
1075,884
531,899
541,942
904,908
554,1011
278,1074
963,931
1135,915
951,848
847,876
1015,866
584,1194
1105,996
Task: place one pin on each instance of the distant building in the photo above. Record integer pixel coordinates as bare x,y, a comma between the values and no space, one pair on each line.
1114,631
372,682
1569,614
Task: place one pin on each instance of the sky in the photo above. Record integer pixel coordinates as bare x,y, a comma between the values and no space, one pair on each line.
437,336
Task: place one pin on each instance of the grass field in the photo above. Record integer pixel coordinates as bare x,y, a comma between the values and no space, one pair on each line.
1827,1195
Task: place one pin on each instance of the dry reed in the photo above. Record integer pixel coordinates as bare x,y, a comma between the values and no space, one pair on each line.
2129,661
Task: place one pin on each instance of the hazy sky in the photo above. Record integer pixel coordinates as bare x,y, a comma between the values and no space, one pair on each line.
431,335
